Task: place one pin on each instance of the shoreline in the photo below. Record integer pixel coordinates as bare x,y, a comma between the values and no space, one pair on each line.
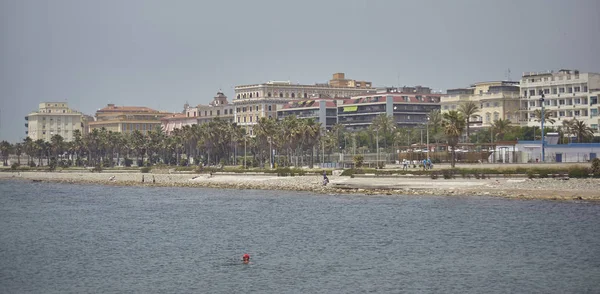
511,188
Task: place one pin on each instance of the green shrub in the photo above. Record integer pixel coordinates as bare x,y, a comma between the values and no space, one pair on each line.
579,172
32,164
14,166
531,174
595,170
448,173
128,162
434,175
543,173
358,161
145,169
97,168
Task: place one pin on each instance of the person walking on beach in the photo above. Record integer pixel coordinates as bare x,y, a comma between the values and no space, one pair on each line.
404,164
429,165
325,178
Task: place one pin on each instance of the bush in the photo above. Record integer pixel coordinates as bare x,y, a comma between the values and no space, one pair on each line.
434,175
106,162
358,161
32,164
183,162
128,162
543,173
97,168
145,169
14,166
595,167
448,174
380,165
530,174
578,172
140,163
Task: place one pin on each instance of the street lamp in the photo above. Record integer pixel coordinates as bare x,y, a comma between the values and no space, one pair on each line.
542,119
377,146
428,138
245,139
270,152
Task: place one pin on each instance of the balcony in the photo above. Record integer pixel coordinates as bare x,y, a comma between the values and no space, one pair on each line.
27,118
26,125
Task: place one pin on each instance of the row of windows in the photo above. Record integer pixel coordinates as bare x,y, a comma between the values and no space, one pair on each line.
556,102
139,127
568,113
249,108
552,78
559,90
210,112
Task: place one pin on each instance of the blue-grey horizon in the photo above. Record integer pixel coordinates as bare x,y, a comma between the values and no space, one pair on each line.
163,54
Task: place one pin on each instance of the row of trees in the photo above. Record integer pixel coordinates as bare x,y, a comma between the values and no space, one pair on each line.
290,141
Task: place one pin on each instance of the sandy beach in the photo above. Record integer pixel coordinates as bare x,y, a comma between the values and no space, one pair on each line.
517,188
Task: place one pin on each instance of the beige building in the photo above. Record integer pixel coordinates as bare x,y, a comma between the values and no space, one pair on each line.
54,118
496,100
262,100
126,119
568,94
218,108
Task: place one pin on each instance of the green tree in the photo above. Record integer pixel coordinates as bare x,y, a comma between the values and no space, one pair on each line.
454,124
468,110
582,131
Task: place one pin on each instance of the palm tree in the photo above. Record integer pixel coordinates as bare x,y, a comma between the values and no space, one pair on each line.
454,124
435,119
29,149
5,150
501,127
567,126
18,152
57,145
384,124
581,130
547,116
468,110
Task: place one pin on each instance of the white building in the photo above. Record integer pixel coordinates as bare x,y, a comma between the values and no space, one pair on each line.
54,118
568,94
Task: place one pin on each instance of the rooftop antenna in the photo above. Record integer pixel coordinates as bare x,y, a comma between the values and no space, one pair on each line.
508,75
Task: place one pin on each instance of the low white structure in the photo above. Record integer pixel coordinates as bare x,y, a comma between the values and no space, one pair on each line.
531,151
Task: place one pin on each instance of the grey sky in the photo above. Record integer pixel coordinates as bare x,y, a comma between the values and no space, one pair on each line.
161,54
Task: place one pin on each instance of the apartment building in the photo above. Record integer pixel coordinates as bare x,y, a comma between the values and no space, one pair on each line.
127,119
54,118
568,94
322,110
408,109
219,107
495,100
262,100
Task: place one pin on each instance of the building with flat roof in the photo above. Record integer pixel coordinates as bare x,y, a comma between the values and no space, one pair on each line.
322,110
262,100
126,119
495,99
568,94
54,118
219,107
408,109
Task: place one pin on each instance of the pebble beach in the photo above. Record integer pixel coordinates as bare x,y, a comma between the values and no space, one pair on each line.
516,188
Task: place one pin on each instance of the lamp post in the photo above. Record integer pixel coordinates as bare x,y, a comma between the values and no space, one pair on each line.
542,119
377,146
270,152
428,137
245,139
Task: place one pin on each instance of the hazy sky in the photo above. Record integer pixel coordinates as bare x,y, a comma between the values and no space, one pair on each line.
161,54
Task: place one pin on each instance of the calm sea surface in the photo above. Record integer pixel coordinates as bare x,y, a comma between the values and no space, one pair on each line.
84,238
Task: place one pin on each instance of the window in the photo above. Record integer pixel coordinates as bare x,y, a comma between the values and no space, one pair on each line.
269,94
546,91
577,101
257,118
496,116
561,90
593,100
594,112
244,119
218,112
594,127
569,90
531,92
531,103
554,91
238,119
577,113
256,107
496,104
561,113
211,113
488,117
540,92
280,95
445,106
250,118
487,104
561,102
243,109
269,107
585,89
577,89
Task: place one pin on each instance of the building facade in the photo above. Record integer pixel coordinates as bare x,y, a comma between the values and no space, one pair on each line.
495,100
322,110
127,119
54,118
568,94
219,107
262,100
407,109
